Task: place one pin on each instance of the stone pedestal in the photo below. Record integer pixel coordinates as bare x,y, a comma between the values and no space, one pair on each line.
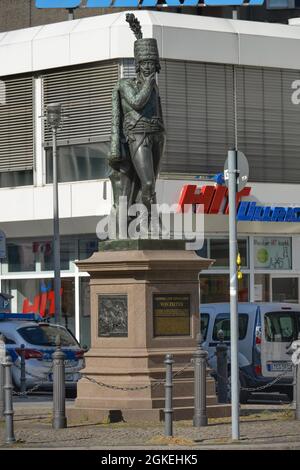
144,304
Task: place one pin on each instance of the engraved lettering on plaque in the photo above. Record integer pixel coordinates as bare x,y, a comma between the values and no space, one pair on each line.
171,314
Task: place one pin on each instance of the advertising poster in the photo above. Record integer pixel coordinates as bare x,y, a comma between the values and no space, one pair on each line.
273,253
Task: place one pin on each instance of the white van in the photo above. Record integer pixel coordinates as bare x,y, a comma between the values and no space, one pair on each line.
266,331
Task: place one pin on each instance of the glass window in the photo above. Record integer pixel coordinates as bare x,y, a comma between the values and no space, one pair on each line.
285,289
68,303
8,340
38,255
222,322
279,4
20,256
85,311
203,251
37,296
273,253
215,288
262,288
87,247
45,335
9,179
282,327
44,252
204,320
79,162
219,250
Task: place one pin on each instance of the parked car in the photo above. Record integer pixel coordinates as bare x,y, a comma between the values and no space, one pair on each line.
39,341
266,330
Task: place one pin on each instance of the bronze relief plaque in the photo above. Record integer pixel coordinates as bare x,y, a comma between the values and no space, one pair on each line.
112,315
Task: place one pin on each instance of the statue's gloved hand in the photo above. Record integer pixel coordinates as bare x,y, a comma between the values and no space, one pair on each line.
151,79
114,161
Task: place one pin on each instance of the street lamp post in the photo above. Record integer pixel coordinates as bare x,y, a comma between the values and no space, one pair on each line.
54,112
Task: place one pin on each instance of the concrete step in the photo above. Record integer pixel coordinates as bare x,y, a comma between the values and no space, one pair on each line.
81,415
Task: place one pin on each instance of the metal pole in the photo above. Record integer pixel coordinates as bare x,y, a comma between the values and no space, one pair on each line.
232,174
294,368
297,409
59,419
200,358
168,396
8,402
2,359
56,237
23,372
222,369
1,391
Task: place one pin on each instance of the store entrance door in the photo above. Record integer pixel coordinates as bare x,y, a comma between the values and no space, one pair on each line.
285,289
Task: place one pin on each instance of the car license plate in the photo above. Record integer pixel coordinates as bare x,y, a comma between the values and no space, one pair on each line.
279,366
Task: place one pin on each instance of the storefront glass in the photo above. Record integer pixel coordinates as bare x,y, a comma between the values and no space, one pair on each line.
261,287
87,247
36,256
37,296
218,249
85,312
215,288
67,254
20,257
285,289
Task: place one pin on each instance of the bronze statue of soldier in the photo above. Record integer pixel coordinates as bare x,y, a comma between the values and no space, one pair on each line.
138,134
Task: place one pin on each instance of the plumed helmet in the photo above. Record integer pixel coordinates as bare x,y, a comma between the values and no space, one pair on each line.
144,48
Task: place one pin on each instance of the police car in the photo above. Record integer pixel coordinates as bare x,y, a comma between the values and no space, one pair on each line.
39,339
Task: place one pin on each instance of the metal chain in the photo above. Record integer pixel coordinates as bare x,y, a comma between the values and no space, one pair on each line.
263,387
186,366
255,389
154,384
36,386
115,387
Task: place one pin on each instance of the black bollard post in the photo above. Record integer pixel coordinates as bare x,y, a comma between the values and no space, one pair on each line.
2,359
222,369
297,409
59,419
23,372
200,358
8,402
168,396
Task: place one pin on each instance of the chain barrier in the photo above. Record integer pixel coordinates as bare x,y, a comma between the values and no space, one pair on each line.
263,387
185,367
254,389
153,385
36,386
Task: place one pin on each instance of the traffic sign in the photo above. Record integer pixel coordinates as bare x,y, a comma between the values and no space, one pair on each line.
242,167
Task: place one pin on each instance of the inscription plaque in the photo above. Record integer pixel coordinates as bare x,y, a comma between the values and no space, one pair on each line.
171,314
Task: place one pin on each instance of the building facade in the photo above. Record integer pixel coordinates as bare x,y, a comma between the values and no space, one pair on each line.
77,64
17,14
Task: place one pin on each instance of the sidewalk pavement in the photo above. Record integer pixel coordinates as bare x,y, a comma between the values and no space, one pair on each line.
262,427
